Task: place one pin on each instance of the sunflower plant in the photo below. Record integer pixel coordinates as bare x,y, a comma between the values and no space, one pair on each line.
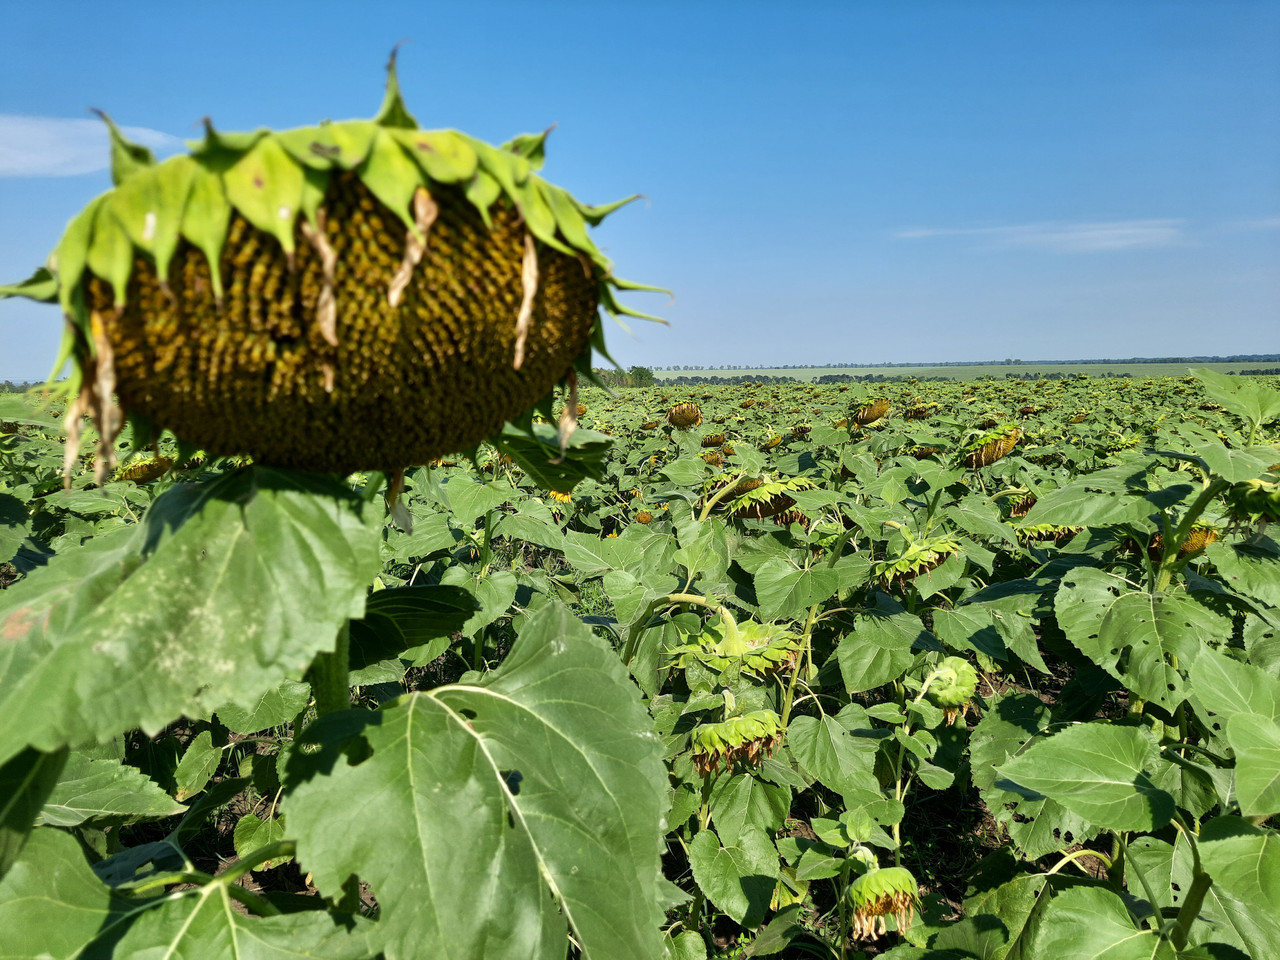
318,309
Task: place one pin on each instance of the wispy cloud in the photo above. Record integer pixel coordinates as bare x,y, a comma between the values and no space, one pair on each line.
58,147
1085,237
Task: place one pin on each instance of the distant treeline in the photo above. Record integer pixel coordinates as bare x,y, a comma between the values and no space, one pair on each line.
738,381
713,381
1008,361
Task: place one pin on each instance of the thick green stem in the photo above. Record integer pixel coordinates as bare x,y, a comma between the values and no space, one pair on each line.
633,638
1170,564
800,659
486,550
1130,863
720,495
1200,884
329,675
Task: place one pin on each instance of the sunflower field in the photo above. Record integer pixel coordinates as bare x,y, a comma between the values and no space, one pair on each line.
944,670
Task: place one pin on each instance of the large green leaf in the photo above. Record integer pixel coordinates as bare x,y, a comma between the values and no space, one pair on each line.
104,792
200,761
13,525
493,815
881,645
1098,771
1227,687
536,450
402,619
1038,827
223,590
744,802
1244,862
1245,397
970,627
739,877
786,592
273,708
52,905
829,752
1012,607
1252,568
1143,639
1016,903
1256,742
1082,504
592,556
1091,923
1009,723
492,595
981,937
26,780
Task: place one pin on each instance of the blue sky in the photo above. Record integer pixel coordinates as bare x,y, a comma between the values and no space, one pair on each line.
838,182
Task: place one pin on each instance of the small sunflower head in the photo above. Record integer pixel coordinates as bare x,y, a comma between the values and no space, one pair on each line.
146,470
953,686
878,893
1254,501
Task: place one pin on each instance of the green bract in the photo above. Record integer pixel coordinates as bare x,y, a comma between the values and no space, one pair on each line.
919,556
757,648
354,295
749,738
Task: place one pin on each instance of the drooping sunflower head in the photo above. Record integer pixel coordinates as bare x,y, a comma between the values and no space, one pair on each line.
916,557
758,498
756,648
145,470
871,412
748,739
684,416
1254,501
362,294
879,893
987,447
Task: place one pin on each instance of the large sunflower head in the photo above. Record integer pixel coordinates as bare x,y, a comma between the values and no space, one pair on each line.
362,294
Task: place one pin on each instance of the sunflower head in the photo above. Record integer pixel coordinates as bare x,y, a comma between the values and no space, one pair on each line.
684,416
361,294
877,894
748,740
